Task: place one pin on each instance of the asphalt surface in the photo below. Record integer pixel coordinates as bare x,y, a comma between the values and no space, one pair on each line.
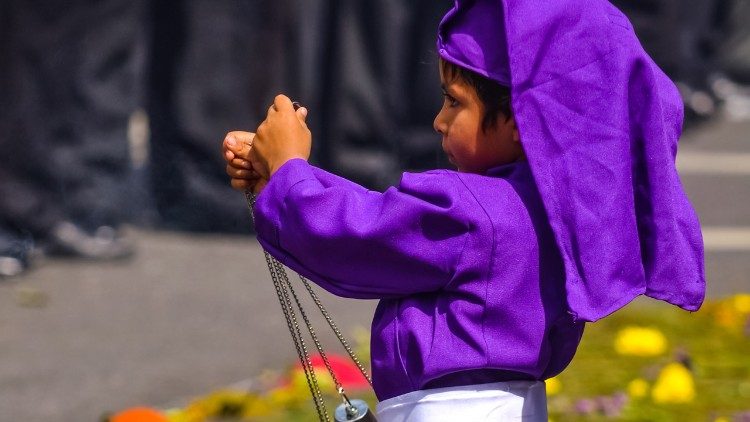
194,313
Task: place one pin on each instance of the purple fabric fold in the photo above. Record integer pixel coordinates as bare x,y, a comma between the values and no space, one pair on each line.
599,122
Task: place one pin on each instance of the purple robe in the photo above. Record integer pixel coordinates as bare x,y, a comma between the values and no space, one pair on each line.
489,277
470,280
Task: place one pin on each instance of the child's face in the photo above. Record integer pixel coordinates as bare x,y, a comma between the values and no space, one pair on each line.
470,148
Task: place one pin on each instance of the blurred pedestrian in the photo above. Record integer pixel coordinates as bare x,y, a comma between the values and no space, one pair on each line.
684,37
70,81
371,88
734,52
202,54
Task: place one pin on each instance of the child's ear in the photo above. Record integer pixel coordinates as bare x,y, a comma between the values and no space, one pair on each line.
516,135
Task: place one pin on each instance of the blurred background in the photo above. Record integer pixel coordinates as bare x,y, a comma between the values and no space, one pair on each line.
128,273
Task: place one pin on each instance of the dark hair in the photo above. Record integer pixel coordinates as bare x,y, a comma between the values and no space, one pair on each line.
494,96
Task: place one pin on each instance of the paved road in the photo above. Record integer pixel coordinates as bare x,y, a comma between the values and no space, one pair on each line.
714,164
191,313
188,315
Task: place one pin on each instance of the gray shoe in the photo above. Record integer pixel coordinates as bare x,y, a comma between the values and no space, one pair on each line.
104,243
15,255
11,266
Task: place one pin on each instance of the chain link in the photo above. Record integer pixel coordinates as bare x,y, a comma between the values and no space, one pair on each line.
293,326
285,292
318,345
294,330
336,330
299,342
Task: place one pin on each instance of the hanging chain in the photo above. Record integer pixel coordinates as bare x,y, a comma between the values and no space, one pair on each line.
291,322
294,330
336,330
318,345
285,292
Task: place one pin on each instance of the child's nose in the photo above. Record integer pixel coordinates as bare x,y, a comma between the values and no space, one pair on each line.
438,124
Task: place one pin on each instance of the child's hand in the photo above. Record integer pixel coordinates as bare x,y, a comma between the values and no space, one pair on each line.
236,151
281,137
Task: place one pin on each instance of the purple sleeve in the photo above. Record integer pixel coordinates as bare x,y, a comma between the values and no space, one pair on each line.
359,243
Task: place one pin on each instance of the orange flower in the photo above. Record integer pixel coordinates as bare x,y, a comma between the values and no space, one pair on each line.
138,414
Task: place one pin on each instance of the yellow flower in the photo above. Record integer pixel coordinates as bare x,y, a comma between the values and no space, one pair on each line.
721,419
640,341
286,397
222,403
553,386
674,385
727,317
325,382
741,303
638,388
177,415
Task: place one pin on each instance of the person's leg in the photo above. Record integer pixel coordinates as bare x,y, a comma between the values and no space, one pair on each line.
105,72
61,169
678,35
419,145
13,249
214,67
378,88
361,64
696,49
28,194
734,54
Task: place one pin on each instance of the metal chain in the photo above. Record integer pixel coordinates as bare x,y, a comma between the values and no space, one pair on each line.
296,333
293,326
251,198
318,345
285,293
336,330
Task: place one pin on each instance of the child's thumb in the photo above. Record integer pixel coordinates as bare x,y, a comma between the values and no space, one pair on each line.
240,143
302,114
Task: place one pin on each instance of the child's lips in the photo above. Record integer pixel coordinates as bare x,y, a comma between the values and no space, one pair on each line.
447,154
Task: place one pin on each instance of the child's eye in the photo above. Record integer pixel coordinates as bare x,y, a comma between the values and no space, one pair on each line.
451,101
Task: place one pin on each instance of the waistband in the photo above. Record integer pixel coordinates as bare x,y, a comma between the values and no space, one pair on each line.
510,400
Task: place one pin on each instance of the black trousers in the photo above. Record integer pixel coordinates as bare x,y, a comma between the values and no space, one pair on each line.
734,53
376,85
70,80
214,66
75,71
366,70
682,36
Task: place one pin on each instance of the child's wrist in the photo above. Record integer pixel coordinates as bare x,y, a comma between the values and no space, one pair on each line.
273,168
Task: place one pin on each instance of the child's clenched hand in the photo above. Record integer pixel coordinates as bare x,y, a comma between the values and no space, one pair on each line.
253,157
236,151
281,137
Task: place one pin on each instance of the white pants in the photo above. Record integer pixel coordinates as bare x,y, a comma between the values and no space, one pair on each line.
501,401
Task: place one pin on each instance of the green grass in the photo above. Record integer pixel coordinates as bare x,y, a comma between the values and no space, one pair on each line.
714,343
719,357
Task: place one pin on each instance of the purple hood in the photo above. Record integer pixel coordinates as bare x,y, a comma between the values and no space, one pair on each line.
599,122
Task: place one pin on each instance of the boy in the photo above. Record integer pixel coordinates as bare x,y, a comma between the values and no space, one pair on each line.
566,205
